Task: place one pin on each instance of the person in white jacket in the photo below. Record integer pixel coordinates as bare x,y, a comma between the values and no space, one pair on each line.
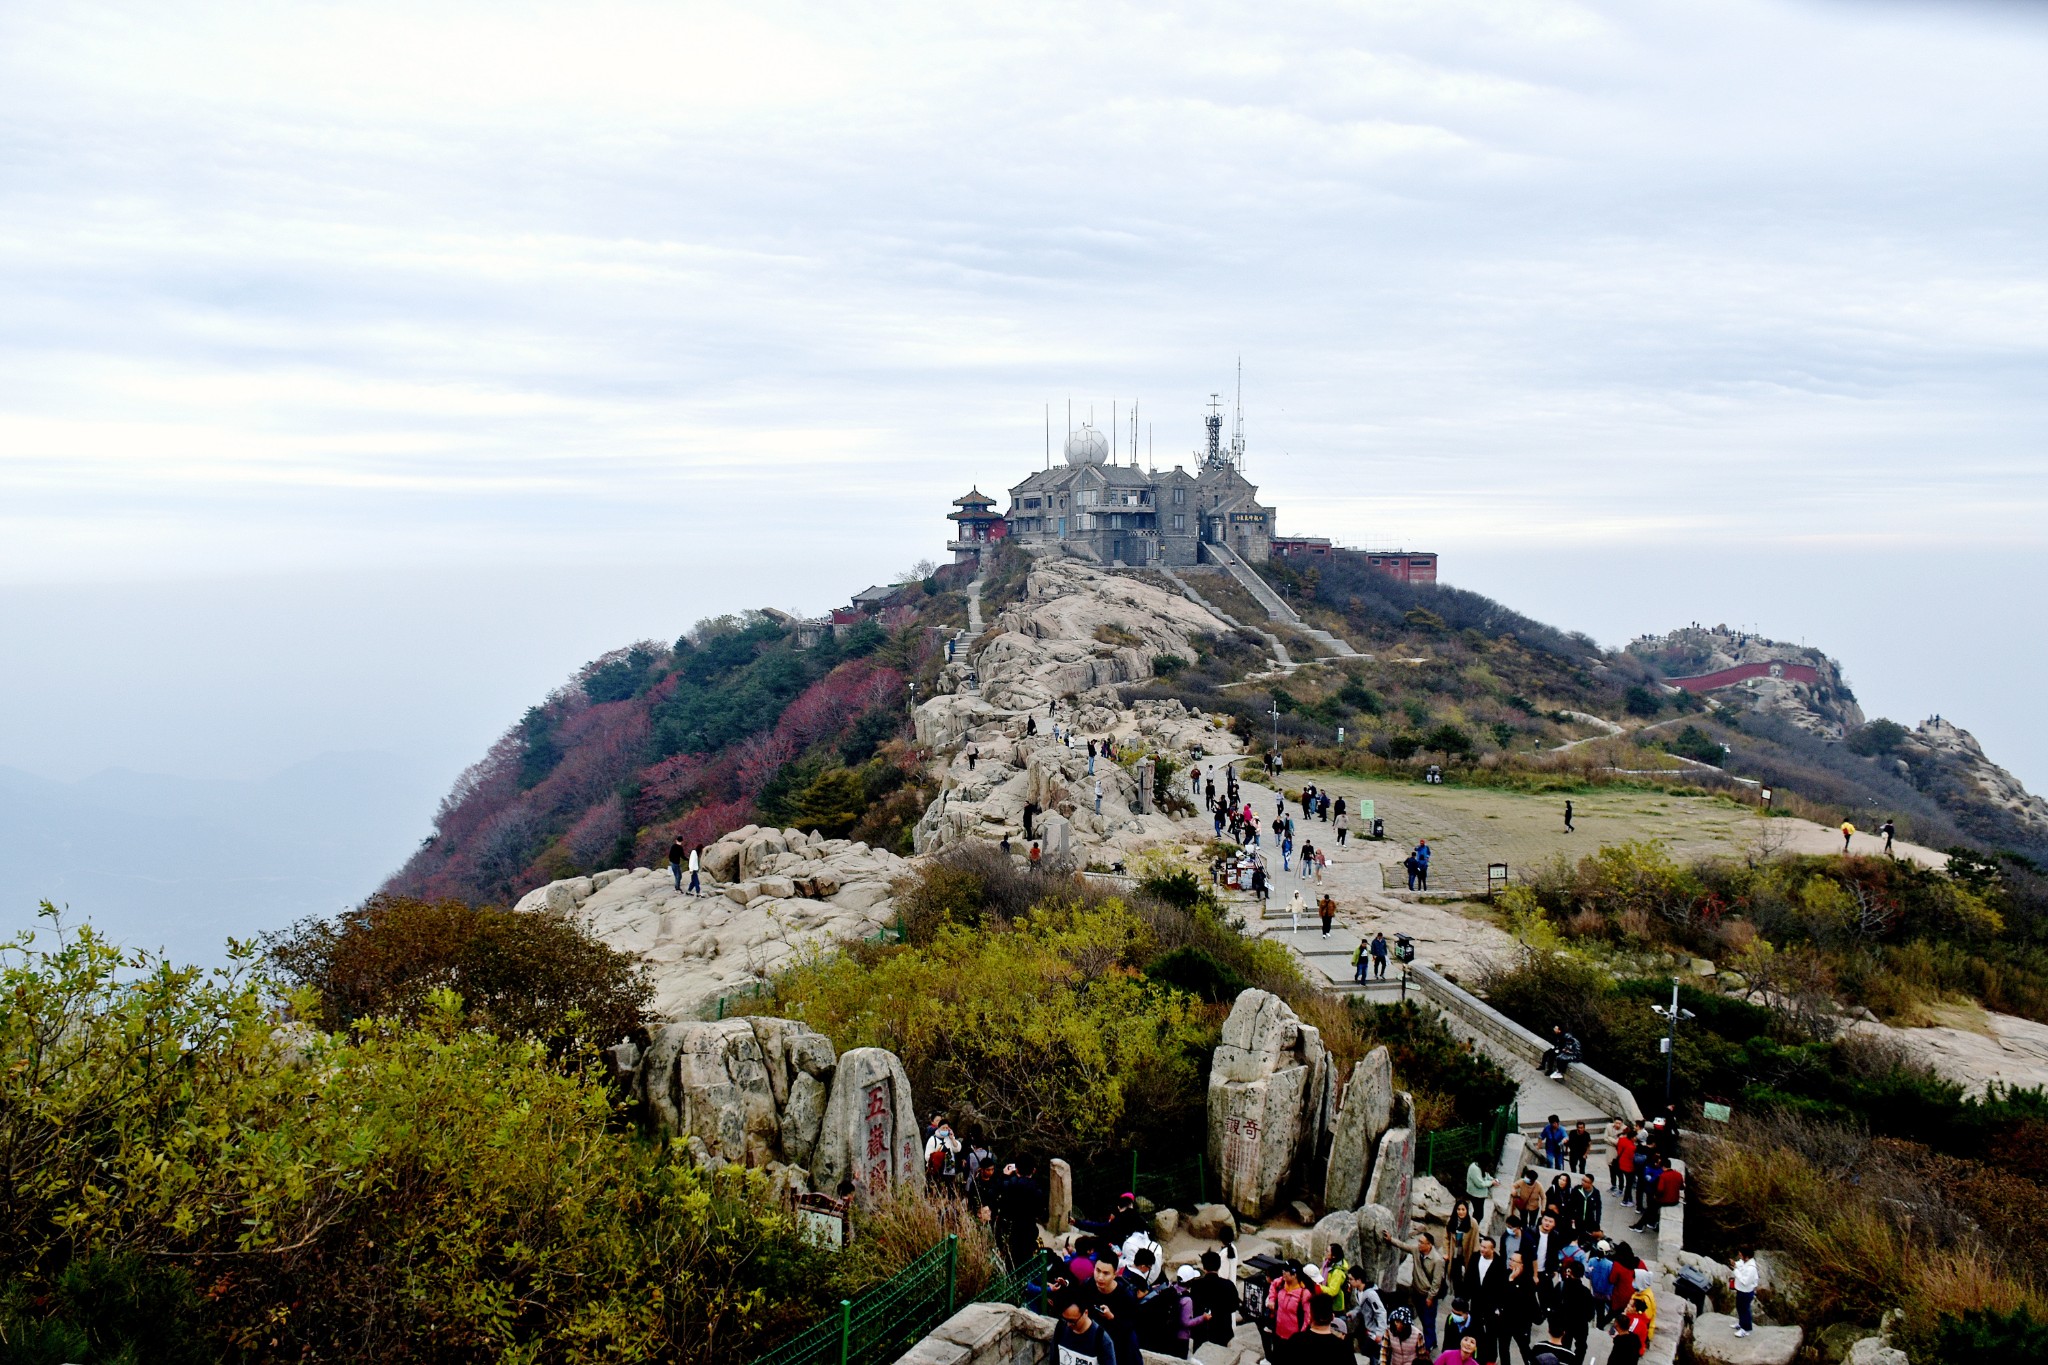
942,1156
1745,1281
1294,903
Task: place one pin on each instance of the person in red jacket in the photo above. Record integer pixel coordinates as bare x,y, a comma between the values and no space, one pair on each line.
1625,1165
1622,1281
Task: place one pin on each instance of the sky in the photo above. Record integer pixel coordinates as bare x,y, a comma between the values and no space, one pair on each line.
364,369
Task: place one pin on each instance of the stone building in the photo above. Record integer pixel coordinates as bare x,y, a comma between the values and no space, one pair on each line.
1122,514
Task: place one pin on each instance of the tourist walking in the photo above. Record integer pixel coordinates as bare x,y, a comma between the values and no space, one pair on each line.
1343,824
676,853
1294,910
1576,1146
1848,833
1553,1143
1414,869
1098,791
1359,958
1888,829
1308,857
1568,827
696,886
1286,852
1379,955
1422,865
1328,910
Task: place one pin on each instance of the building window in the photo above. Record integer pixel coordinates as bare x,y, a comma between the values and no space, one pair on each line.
1180,498
1031,502
1180,523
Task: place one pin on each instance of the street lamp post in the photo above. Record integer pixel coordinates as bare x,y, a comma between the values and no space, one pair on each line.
1276,726
1674,1013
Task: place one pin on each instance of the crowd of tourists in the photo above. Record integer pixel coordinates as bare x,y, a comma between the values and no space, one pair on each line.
1540,1291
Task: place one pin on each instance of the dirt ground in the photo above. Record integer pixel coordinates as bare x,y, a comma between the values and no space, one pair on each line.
1469,827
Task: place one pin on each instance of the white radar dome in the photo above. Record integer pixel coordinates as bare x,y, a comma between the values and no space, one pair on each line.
1087,446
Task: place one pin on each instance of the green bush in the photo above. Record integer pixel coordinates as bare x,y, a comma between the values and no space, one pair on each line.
1039,1034
1198,973
396,1192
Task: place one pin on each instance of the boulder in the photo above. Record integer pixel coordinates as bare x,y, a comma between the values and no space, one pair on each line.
561,898
1706,1265
1392,1186
721,861
710,1081
1059,1213
1380,1260
1303,1214
1714,1341
1339,1229
1874,1351
1432,1203
1208,1221
1367,1110
1269,1088
1165,1224
870,1133
1290,1243
803,1118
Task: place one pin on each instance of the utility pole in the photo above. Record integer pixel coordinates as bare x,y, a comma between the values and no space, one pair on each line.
1276,726
1671,1039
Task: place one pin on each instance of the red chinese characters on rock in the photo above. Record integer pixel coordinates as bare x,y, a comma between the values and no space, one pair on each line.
1241,1143
876,1159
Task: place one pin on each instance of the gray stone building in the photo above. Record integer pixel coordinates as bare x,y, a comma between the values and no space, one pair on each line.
1121,514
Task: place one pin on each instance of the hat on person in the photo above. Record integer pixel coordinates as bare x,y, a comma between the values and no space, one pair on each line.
1186,1273
1313,1272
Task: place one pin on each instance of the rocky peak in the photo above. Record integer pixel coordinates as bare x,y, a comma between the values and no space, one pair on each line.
1797,683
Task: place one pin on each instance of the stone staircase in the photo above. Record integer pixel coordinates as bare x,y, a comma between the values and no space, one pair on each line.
1280,653
1275,605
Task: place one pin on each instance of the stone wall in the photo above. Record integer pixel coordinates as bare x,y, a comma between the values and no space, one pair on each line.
1609,1097
995,1334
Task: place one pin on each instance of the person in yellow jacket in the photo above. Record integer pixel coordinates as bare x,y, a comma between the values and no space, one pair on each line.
1848,831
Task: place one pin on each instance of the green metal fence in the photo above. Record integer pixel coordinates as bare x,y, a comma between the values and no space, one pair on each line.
884,1322
1445,1154
1017,1287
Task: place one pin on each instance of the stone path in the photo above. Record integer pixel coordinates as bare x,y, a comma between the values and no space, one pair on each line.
974,626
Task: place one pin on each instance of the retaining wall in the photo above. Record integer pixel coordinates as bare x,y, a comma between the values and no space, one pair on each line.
1609,1097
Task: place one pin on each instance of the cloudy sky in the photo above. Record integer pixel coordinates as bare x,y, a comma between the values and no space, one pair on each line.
363,369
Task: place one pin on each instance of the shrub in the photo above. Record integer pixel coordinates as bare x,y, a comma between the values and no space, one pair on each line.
1043,1035
1198,973
520,975
1641,701
1694,743
396,1192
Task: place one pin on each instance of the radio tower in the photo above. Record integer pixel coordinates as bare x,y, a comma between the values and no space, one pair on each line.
1237,435
1214,421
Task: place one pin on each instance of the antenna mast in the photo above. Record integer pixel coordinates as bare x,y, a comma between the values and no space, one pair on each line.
1237,436
1048,436
1112,431
1134,433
